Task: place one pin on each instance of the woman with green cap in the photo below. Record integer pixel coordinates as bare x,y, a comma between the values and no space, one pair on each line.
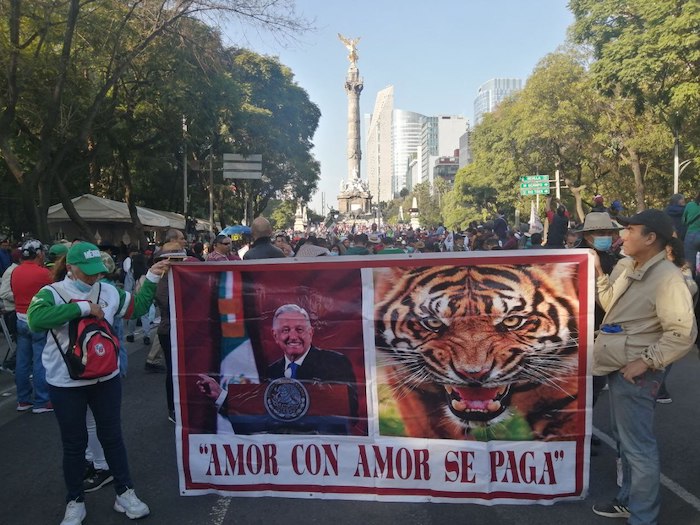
78,295
56,251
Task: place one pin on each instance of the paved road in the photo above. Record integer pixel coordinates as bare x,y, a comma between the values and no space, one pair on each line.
33,491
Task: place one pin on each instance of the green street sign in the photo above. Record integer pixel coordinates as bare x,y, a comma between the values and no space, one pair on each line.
534,185
535,178
538,191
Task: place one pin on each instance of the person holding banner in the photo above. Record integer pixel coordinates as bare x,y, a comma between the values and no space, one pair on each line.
648,324
77,296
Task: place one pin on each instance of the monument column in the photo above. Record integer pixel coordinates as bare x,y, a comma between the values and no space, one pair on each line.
353,88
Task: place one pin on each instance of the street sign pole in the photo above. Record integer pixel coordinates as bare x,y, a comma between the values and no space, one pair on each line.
211,190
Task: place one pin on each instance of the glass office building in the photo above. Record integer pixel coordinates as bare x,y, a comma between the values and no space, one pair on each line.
493,92
407,139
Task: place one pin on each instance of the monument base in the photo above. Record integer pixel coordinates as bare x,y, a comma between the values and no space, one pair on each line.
354,204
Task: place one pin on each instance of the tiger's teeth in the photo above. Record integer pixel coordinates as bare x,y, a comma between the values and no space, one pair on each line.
493,406
459,406
448,388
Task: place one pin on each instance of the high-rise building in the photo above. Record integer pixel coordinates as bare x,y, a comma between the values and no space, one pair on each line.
403,145
428,145
465,149
493,92
380,147
407,137
446,168
440,137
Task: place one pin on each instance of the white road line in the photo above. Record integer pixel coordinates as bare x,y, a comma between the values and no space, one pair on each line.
667,482
219,510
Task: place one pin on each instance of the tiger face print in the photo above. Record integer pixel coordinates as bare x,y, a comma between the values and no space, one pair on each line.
470,346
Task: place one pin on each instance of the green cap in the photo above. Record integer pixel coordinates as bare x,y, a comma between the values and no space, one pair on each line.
58,249
87,257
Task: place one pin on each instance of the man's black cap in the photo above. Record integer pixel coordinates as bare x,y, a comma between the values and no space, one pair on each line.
654,220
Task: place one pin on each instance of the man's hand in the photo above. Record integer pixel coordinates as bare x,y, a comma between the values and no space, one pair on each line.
209,387
161,267
634,369
596,264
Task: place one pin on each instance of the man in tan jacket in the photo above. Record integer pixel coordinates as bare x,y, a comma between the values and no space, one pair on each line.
648,324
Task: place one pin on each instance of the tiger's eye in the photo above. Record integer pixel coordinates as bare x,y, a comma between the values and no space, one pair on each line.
513,322
432,323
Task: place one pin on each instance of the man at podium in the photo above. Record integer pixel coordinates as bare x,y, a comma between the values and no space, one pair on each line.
311,391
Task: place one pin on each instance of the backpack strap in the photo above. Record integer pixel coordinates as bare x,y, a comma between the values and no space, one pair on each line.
53,334
58,292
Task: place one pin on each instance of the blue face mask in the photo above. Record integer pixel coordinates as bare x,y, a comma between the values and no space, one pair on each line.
602,244
81,286
335,254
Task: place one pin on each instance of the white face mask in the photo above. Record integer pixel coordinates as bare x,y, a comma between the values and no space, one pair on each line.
82,286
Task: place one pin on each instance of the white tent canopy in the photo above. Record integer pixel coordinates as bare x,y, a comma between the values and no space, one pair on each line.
97,209
111,218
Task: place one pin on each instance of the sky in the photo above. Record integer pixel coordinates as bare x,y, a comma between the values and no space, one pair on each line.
435,53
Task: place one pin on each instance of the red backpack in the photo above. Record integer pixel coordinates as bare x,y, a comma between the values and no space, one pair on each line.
93,347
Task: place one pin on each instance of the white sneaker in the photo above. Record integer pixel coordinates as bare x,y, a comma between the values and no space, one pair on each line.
131,505
75,513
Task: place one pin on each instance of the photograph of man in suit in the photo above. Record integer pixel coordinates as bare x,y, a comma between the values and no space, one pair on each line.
300,360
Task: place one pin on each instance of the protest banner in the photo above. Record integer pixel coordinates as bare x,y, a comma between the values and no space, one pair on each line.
459,377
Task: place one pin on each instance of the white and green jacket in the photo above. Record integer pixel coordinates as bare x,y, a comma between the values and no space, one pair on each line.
48,311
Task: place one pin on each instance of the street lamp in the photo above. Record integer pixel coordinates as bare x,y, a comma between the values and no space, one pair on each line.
184,166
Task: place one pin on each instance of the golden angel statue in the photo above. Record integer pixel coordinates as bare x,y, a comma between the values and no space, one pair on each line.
351,45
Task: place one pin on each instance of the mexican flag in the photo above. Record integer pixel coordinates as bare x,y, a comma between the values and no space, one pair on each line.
237,357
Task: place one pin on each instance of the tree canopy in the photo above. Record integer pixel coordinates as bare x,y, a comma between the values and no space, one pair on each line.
93,97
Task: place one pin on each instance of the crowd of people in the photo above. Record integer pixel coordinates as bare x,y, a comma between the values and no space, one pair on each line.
44,288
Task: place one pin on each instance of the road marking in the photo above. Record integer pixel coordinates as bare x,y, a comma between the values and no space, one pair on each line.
667,482
219,510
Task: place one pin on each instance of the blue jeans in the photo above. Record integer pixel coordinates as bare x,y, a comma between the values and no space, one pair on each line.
691,246
30,346
632,414
70,406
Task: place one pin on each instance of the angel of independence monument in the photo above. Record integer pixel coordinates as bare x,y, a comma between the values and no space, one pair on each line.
354,199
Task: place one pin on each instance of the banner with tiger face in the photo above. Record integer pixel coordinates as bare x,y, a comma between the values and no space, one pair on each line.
488,351
436,377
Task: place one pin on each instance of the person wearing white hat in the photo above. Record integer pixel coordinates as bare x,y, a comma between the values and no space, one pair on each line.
27,279
599,233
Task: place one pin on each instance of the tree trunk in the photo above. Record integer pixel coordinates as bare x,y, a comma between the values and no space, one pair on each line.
219,203
31,213
636,166
576,190
128,192
85,229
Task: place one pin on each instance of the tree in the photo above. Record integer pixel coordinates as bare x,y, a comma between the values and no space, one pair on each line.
61,64
560,121
281,213
276,119
429,202
649,49
648,52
